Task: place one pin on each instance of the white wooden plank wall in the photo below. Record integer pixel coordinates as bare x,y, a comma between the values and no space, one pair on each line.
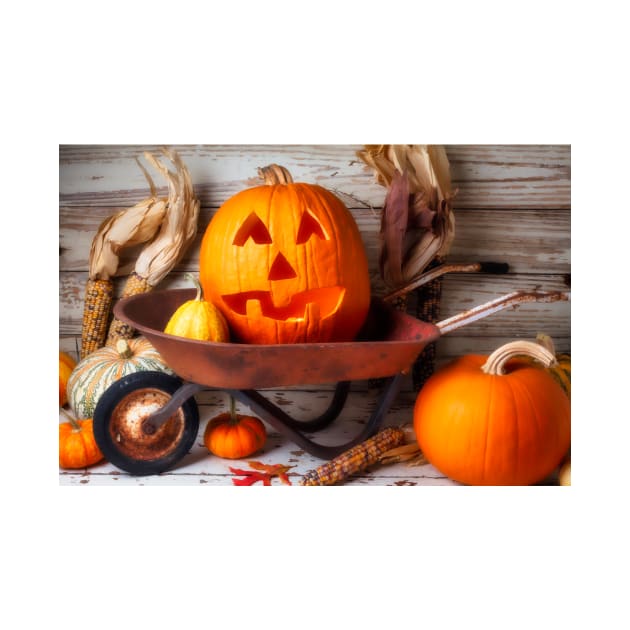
513,205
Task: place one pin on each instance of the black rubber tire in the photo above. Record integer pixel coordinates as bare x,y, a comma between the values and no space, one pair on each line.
125,387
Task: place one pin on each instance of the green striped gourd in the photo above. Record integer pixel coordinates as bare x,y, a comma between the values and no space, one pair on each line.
561,369
99,369
562,372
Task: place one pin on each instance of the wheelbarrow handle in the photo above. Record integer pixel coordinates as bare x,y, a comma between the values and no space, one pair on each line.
493,306
444,268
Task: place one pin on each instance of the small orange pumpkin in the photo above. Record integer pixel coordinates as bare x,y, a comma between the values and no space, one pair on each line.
77,446
234,436
66,365
285,263
484,421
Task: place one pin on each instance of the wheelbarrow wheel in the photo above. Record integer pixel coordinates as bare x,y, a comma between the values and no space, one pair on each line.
118,423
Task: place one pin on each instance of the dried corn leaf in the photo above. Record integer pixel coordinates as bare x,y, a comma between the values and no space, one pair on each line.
423,171
124,229
394,220
179,227
409,453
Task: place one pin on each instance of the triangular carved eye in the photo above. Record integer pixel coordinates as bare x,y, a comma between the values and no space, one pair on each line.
252,228
309,225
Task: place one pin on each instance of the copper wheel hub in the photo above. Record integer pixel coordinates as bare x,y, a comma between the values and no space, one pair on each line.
126,429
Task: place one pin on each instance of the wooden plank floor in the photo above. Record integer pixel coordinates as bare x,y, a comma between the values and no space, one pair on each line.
200,467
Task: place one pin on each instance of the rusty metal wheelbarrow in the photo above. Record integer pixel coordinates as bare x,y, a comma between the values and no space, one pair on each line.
147,421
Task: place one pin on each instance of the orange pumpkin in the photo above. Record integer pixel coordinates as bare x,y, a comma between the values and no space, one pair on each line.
66,365
285,263
494,420
77,446
234,436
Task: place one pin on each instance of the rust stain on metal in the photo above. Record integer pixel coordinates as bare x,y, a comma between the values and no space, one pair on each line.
390,342
126,425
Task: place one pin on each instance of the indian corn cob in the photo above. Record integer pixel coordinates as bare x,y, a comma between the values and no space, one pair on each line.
124,229
97,302
354,460
176,233
118,329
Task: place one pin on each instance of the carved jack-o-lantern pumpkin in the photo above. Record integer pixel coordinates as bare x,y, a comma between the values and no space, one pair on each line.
285,263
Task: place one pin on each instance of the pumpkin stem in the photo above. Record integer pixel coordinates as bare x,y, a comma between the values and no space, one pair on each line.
495,363
76,427
233,416
274,174
547,342
123,349
195,281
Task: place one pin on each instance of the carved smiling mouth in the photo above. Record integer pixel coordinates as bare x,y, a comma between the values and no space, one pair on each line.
326,301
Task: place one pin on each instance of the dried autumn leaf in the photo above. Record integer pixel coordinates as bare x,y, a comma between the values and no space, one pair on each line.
250,477
273,470
261,472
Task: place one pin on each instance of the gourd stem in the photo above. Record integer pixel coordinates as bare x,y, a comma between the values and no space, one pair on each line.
195,281
76,427
123,349
495,364
274,174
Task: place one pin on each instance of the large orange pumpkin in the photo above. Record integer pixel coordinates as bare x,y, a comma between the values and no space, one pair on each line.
285,263
494,420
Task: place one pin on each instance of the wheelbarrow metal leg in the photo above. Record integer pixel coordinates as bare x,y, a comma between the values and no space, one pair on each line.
157,419
335,407
283,423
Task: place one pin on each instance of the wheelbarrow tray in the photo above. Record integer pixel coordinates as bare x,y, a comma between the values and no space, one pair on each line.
388,344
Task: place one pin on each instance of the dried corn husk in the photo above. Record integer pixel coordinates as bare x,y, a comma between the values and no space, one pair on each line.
125,229
417,227
176,233
417,222
408,452
180,224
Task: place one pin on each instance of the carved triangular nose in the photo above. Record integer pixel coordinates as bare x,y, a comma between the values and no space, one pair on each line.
281,269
